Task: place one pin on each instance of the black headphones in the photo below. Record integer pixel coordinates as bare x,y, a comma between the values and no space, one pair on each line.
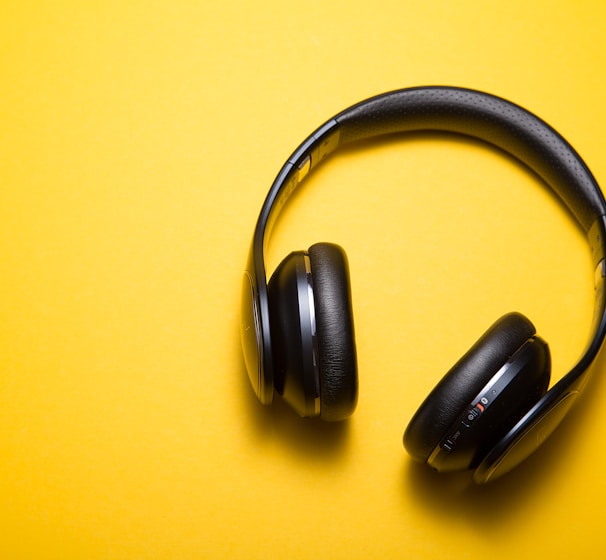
493,408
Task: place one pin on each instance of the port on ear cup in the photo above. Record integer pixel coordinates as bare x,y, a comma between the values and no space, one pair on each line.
454,393
335,331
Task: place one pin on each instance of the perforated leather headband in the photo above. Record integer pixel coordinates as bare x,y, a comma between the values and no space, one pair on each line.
472,113
487,118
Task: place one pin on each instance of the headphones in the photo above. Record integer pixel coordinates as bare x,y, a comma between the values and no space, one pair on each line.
493,408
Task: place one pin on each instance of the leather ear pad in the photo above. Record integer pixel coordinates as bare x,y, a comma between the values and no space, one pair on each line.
463,382
335,331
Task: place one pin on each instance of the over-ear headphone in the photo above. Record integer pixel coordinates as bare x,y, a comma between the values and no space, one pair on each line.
493,408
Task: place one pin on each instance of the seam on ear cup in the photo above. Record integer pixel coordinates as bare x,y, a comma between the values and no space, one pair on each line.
335,331
463,381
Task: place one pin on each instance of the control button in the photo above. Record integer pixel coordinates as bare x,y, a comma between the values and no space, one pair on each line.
449,443
472,414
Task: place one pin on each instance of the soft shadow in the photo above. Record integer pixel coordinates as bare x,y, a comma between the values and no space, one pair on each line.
309,439
457,495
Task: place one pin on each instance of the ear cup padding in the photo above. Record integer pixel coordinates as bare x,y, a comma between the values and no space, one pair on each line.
335,331
463,382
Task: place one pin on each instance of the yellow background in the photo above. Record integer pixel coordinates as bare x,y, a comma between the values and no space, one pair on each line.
137,142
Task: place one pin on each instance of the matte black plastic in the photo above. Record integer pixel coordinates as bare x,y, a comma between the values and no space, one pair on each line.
249,335
534,429
255,327
335,329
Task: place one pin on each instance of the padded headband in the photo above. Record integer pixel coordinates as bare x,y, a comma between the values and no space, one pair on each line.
486,118
472,113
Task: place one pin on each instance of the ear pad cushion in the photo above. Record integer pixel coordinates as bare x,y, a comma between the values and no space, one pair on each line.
334,331
463,382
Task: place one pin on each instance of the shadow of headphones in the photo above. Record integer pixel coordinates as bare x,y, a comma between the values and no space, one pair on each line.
493,408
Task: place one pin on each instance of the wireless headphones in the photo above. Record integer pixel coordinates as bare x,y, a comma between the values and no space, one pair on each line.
493,408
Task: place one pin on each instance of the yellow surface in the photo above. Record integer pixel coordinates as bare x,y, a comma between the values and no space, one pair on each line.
137,142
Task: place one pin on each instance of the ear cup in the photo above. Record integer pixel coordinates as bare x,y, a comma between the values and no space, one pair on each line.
335,331
314,352
449,399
